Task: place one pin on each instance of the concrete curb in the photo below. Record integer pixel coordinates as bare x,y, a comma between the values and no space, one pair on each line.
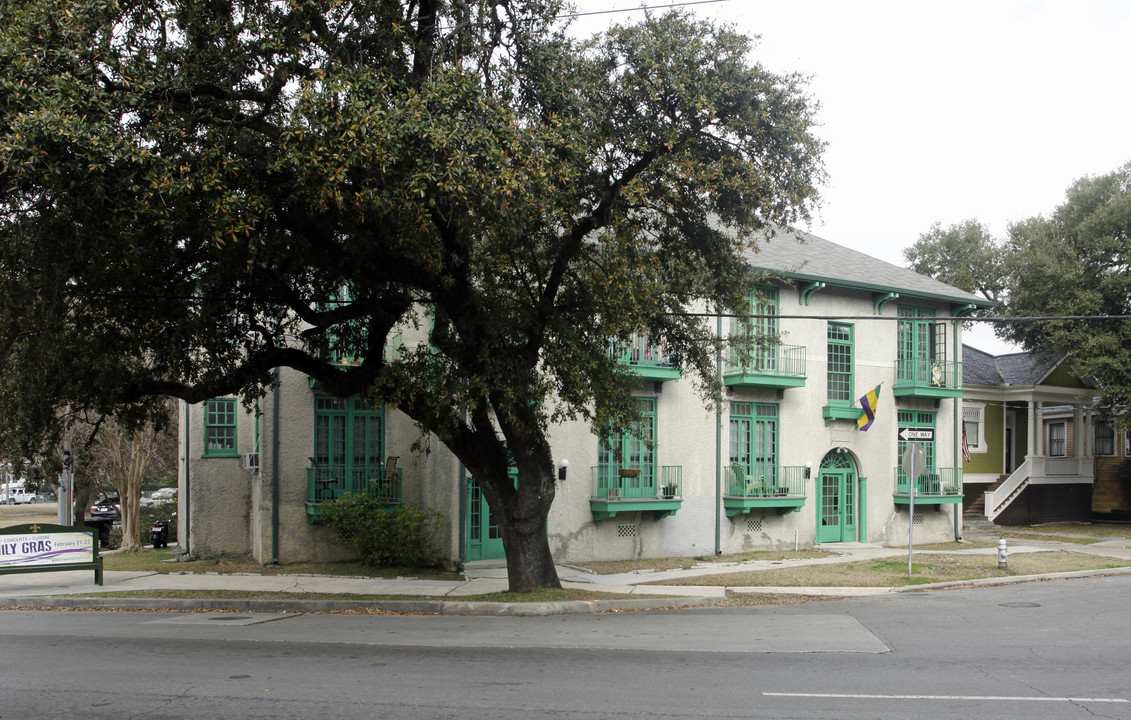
414,607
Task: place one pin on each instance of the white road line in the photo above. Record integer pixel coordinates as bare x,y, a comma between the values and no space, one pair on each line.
946,697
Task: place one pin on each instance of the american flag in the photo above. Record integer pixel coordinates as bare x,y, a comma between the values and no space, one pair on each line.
965,445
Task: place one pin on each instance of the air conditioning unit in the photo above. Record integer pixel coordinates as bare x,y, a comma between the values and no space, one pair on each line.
250,461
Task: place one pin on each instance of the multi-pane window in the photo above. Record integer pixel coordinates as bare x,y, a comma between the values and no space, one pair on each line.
922,347
1105,439
633,451
1058,439
908,418
754,440
840,363
220,427
348,439
763,330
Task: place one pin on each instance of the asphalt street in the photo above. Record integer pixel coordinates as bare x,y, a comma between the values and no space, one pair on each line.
1036,650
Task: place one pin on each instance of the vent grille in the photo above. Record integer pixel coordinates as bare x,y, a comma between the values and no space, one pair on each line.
626,531
753,525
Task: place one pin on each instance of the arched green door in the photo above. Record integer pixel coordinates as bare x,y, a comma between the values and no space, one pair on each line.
836,499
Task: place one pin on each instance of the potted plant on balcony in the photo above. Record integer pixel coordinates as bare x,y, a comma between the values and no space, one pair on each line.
669,491
629,472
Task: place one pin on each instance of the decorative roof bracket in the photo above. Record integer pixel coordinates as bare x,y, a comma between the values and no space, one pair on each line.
807,291
879,300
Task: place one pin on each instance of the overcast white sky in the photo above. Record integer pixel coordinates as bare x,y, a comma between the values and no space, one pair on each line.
937,111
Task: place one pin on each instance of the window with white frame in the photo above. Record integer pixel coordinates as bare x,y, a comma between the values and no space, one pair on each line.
974,426
1058,439
1105,439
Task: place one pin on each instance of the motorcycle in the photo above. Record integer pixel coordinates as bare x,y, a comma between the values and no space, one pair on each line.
159,533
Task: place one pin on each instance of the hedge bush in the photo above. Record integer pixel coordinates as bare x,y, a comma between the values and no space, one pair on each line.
383,534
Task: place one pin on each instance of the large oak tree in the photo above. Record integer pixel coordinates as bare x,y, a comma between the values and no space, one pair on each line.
195,192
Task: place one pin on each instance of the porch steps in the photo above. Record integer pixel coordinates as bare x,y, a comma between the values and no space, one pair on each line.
977,509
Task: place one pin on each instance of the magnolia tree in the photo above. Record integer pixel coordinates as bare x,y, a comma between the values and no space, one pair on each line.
195,193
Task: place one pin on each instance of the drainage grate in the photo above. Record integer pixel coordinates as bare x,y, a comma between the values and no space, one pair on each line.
753,525
626,531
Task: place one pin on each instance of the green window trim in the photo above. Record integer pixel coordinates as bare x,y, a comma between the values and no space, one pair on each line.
754,433
841,361
220,438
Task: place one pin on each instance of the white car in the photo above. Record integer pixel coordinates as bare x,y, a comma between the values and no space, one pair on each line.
163,494
20,497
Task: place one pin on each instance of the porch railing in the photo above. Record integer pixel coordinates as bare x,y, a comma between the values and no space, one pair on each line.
332,483
940,481
614,482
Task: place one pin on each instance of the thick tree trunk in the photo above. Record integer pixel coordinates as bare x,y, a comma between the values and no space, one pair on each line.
530,565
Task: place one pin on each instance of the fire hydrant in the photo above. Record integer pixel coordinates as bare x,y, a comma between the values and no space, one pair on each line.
1002,555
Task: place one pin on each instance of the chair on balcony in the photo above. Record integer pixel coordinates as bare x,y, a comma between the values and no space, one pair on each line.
756,486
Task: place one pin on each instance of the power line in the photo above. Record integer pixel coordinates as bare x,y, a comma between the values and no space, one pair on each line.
642,8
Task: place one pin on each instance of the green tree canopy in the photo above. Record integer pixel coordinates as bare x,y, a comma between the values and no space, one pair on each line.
1073,264
197,192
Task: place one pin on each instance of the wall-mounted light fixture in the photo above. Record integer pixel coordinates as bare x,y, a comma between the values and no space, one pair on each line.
808,468
562,465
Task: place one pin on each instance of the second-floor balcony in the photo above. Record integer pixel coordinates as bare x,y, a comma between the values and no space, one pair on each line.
324,484
621,488
940,486
782,488
779,366
916,377
645,357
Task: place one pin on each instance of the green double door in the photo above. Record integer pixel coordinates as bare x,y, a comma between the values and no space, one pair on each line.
836,498
482,541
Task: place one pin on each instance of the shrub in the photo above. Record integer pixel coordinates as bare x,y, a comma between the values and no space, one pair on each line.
383,534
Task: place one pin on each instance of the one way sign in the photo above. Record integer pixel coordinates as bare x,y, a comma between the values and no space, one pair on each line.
917,434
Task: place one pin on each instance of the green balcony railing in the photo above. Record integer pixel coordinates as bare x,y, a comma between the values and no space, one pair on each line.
646,357
929,376
773,482
937,483
615,483
780,366
331,483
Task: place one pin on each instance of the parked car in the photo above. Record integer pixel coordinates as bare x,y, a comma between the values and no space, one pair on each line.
164,494
109,508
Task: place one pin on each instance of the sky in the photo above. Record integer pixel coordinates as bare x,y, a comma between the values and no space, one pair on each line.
942,112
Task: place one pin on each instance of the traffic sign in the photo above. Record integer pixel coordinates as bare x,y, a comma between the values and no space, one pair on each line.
914,461
917,434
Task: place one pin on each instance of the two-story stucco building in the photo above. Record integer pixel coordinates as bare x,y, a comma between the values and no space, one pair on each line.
782,465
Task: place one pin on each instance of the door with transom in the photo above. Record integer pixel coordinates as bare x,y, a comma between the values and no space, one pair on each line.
836,498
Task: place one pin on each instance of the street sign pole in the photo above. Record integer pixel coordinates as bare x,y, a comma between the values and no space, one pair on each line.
914,462
911,517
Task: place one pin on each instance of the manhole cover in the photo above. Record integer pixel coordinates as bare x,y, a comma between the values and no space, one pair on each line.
1020,605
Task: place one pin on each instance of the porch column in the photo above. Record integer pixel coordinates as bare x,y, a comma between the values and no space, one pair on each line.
1079,431
1032,449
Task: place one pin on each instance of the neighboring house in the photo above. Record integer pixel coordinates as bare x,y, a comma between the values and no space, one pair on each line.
1022,416
783,465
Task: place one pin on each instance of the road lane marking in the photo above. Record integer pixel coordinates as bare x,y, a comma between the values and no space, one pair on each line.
843,696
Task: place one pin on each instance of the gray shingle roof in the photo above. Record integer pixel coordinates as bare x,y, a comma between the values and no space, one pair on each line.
805,257
1018,369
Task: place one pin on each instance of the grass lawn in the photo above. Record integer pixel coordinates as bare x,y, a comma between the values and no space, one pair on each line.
892,572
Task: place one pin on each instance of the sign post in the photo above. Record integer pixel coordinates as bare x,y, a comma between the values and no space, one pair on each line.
914,462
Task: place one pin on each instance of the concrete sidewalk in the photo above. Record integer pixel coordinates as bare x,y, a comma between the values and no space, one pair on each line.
76,589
